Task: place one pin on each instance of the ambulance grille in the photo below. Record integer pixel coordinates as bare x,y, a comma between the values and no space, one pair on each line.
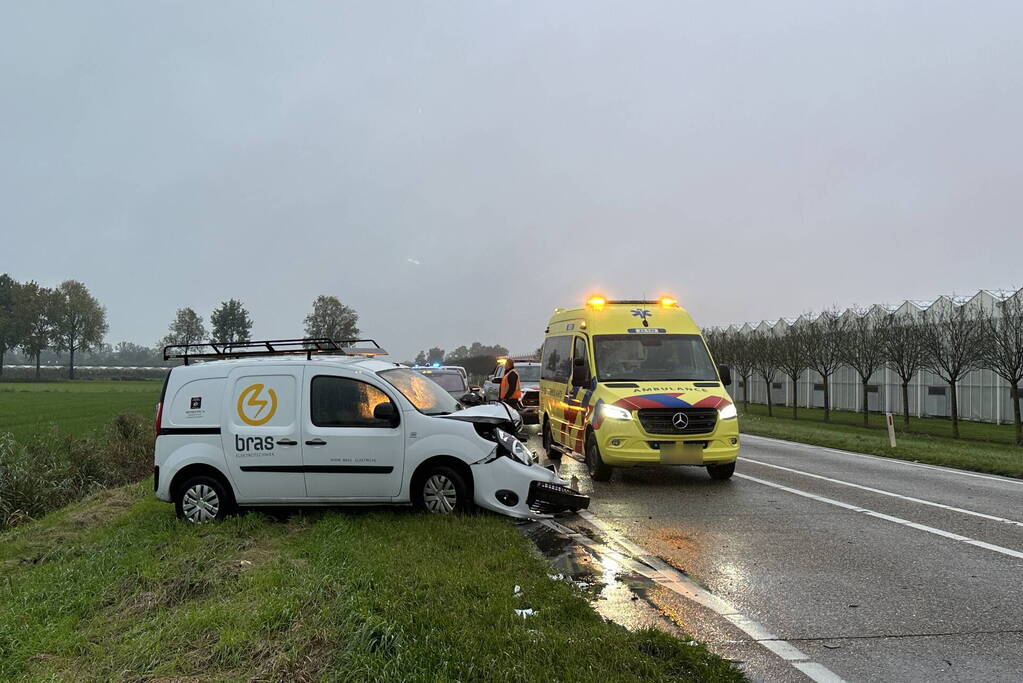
662,420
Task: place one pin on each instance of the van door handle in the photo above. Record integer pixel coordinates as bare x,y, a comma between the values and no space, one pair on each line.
286,442
316,442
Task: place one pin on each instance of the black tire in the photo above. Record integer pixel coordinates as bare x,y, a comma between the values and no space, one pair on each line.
202,499
599,471
442,490
547,441
721,472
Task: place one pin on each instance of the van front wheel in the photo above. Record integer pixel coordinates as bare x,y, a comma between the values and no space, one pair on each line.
442,490
598,470
202,499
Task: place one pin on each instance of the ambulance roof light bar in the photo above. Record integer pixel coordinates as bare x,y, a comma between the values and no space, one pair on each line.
598,302
272,347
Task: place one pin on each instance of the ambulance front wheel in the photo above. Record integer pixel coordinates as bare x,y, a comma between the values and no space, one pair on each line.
548,442
599,471
721,472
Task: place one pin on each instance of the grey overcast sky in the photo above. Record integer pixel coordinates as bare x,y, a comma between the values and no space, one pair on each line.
455,170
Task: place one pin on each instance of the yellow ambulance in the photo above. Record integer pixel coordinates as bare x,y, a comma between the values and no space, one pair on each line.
626,383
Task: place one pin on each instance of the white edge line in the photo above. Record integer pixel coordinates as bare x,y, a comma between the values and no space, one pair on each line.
890,518
681,584
887,493
908,463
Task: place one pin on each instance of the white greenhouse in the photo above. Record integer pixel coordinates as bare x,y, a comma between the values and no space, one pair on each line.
982,395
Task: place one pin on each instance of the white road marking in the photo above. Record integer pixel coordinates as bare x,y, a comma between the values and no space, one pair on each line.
880,515
894,461
887,493
679,583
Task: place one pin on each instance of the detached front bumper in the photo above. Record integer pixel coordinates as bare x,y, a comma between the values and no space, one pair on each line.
507,486
546,497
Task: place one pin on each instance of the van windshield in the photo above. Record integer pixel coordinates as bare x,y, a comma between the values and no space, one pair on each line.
426,395
652,358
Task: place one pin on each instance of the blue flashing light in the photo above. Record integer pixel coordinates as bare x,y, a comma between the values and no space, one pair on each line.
436,365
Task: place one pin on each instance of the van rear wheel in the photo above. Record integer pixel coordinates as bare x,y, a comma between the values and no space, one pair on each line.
202,499
442,491
594,463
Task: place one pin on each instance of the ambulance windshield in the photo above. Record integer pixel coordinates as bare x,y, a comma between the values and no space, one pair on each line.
425,394
652,358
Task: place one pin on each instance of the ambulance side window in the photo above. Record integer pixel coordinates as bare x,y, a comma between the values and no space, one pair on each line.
556,360
579,351
343,402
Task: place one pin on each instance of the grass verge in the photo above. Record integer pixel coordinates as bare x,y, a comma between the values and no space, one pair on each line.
115,588
966,454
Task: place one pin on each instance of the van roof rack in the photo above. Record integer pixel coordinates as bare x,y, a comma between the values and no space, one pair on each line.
308,347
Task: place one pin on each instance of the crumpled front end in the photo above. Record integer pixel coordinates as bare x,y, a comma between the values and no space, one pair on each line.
511,488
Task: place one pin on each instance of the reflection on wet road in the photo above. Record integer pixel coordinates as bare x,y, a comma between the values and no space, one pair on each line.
879,570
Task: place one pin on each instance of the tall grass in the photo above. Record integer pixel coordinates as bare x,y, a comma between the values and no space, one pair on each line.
52,468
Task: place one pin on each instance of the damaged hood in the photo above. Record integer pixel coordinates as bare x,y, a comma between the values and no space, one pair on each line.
491,413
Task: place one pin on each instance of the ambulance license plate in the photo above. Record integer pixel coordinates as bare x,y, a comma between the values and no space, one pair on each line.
681,453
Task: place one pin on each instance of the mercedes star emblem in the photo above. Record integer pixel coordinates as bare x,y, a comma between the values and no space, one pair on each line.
680,420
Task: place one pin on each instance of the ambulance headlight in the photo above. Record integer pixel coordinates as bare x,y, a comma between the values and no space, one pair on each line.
513,447
728,412
614,412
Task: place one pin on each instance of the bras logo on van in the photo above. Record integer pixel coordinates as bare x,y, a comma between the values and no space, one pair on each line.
253,408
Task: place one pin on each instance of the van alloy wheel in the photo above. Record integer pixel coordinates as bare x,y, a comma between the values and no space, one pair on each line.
439,494
200,503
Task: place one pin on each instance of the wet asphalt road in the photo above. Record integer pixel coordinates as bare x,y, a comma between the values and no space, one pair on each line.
874,585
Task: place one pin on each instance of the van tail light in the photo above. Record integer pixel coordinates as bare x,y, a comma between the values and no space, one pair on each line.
159,418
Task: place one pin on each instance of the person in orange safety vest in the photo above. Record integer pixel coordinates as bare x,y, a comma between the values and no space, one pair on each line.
511,387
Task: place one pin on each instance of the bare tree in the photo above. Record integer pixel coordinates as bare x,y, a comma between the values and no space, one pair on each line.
792,356
77,320
733,349
1002,349
187,328
764,350
824,339
862,349
952,338
902,341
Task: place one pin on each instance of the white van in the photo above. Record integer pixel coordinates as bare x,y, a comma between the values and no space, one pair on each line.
319,422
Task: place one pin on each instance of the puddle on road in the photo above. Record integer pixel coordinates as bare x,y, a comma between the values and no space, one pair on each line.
616,592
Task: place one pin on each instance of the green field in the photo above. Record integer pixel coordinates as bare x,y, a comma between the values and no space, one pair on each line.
115,588
983,448
76,407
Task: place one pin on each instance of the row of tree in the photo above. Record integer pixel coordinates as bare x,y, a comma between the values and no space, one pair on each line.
35,318
67,318
230,322
950,341
477,359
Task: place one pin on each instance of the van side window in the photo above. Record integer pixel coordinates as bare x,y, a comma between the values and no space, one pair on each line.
579,351
556,360
343,402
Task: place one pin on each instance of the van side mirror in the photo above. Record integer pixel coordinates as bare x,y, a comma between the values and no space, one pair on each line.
580,375
386,412
726,375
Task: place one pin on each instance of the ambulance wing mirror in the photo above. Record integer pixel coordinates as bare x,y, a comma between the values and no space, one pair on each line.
726,375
